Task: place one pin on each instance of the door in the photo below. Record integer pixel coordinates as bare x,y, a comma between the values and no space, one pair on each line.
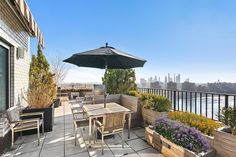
3,78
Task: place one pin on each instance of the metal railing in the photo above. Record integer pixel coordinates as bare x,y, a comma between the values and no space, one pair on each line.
208,104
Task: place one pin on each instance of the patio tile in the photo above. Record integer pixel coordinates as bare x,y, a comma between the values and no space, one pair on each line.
11,152
140,132
28,154
71,149
56,151
132,155
116,139
29,147
51,135
149,152
83,154
54,142
132,135
137,144
33,138
96,150
118,151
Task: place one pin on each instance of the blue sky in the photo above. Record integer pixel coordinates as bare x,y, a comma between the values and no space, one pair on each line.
196,38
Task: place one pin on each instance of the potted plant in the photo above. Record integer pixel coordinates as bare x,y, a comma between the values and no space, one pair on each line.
225,137
177,140
154,106
42,89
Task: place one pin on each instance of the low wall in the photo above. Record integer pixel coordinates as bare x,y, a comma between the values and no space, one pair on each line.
127,101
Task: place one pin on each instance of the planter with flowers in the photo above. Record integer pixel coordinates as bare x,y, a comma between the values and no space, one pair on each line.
154,106
203,124
177,140
225,137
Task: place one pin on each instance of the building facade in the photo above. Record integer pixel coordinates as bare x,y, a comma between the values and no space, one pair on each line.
17,25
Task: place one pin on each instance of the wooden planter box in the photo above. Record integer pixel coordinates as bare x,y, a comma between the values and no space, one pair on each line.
224,143
169,149
149,116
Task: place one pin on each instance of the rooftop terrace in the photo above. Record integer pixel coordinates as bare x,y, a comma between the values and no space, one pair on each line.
60,142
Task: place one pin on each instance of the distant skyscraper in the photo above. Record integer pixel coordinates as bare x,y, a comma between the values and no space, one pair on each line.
155,78
159,79
178,78
150,80
178,81
155,85
174,78
168,80
143,82
172,85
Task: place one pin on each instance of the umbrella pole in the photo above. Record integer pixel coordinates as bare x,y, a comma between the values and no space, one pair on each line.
105,93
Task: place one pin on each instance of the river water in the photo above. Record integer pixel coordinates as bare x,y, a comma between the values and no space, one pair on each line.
209,108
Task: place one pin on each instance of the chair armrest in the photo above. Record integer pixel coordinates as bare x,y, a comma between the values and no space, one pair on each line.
32,114
28,120
78,112
98,123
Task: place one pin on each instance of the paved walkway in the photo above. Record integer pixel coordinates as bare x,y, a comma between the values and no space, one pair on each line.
60,142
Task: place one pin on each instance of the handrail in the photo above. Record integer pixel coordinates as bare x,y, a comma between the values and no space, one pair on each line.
215,93
202,103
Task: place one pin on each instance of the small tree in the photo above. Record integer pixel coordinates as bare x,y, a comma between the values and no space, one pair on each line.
119,81
59,69
42,89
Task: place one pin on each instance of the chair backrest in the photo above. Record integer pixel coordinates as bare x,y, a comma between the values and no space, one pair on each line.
88,97
114,121
98,99
80,99
13,114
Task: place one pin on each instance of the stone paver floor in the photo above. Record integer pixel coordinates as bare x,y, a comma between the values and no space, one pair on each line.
60,142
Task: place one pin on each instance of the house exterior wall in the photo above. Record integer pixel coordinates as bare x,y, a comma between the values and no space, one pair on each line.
13,33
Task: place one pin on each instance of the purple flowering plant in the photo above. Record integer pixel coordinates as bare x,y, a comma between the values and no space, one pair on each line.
182,135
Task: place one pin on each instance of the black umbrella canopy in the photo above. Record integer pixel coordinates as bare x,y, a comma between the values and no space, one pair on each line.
105,56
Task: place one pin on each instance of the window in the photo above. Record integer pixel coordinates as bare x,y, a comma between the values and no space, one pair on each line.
3,77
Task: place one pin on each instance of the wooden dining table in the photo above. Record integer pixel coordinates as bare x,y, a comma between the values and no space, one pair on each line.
98,110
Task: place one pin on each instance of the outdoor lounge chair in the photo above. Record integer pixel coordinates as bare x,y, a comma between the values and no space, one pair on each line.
112,123
79,118
18,125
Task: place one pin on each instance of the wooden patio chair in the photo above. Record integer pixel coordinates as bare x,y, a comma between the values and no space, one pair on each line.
112,123
18,125
79,119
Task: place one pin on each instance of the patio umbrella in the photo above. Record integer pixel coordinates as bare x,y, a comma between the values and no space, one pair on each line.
106,57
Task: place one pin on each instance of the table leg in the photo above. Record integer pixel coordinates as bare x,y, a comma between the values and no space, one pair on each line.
90,130
129,124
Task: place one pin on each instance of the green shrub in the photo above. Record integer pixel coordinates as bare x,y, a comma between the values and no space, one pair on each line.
228,117
152,101
203,124
156,102
134,93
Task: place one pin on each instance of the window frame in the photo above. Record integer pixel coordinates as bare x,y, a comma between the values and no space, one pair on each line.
4,45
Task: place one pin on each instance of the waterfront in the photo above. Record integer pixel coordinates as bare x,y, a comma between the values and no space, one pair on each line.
201,106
